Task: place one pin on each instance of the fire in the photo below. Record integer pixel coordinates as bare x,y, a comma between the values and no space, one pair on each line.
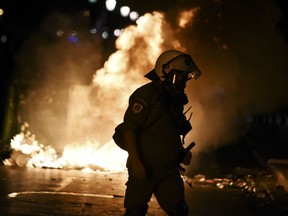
185,17
94,111
88,156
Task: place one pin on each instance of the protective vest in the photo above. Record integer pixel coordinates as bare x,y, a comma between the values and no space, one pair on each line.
157,123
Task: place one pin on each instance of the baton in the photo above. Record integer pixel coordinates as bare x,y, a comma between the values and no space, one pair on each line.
191,145
182,169
186,150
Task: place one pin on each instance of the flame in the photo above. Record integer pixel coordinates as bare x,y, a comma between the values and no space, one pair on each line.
185,17
28,151
94,111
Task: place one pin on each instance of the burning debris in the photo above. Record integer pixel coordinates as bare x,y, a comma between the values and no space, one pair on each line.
251,184
27,151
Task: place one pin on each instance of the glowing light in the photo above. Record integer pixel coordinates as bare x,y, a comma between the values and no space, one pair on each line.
93,31
3,38
110,5
1,11
105,35
73,37
134,15
60,33
86,13
117,32
92,1
124,11
185,17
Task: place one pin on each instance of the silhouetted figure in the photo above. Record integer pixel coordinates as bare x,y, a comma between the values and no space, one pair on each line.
151,133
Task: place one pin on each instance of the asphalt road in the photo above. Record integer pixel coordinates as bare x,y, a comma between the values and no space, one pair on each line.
35,191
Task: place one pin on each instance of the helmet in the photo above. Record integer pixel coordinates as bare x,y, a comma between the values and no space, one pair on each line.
172,61
174,68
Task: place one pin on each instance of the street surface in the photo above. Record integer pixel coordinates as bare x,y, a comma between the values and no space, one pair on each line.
43,192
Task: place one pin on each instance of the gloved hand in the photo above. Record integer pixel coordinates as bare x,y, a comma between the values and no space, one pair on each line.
137,170
135,166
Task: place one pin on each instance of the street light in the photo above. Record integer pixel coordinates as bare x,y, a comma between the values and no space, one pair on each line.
134,15
110,5
125,10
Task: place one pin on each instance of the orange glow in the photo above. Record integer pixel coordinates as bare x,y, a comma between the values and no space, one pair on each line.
94,111
185,17
29,152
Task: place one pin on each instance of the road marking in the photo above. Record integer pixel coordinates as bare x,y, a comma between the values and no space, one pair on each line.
15,194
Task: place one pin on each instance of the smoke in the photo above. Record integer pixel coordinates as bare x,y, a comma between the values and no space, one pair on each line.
244,64
67,113
137,50
74,99
60,55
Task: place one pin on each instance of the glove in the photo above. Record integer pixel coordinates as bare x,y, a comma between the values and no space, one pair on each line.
137,170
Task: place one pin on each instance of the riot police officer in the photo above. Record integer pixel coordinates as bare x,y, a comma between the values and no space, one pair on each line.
151,134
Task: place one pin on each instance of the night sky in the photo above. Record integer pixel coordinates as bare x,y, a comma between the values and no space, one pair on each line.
240,45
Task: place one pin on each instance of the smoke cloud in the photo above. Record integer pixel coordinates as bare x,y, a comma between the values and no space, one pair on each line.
59,56
244,64
244,72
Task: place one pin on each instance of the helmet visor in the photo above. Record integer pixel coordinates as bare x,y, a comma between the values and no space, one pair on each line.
186,64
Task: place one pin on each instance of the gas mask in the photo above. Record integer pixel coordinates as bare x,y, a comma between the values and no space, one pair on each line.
176,81
175,84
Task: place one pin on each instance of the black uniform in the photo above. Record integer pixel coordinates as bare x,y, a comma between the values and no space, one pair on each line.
158,121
